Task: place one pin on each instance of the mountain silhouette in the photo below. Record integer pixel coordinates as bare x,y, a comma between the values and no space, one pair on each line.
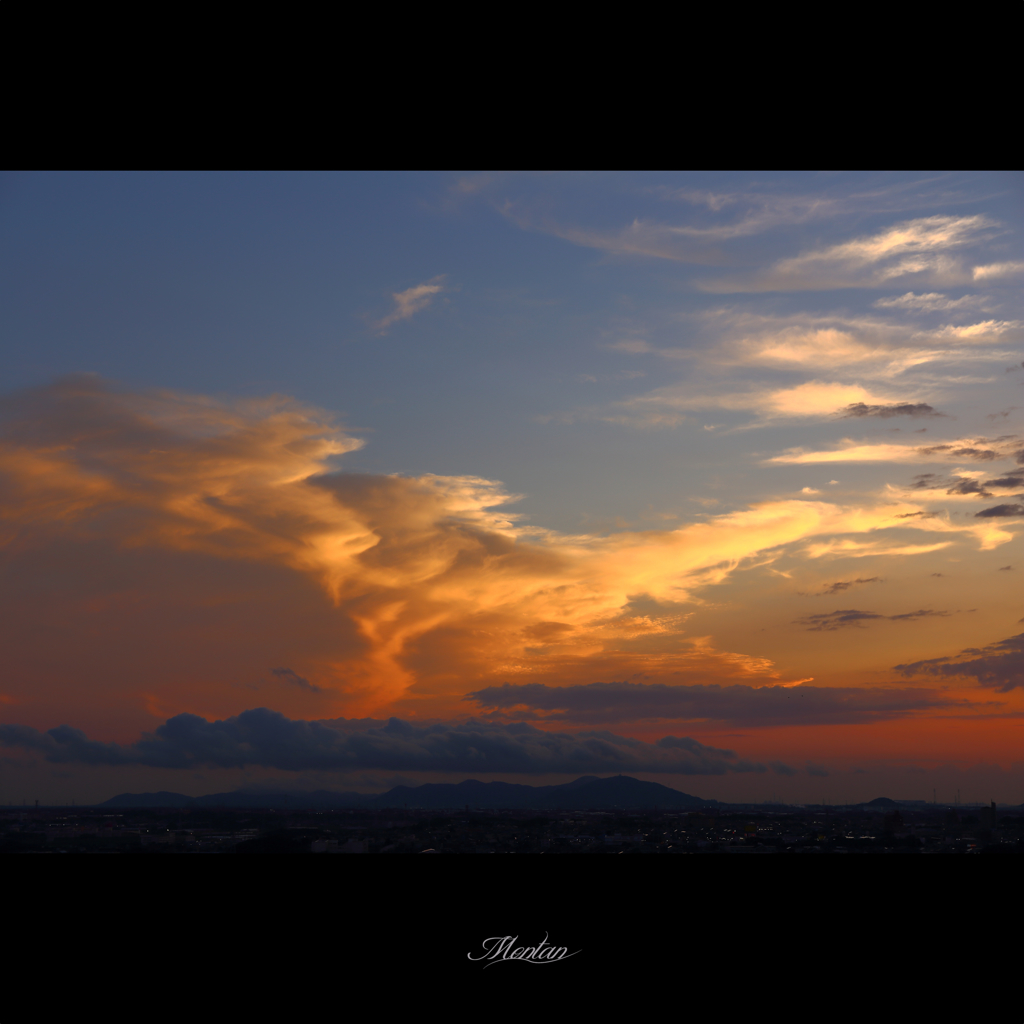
161,799
588,791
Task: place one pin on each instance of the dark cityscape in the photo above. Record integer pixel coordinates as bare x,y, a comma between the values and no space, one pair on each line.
284,826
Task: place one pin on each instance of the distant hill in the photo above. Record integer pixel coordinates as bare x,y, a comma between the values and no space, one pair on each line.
161,799
880,802
588,791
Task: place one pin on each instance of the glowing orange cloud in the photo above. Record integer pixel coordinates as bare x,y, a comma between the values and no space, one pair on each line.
377,588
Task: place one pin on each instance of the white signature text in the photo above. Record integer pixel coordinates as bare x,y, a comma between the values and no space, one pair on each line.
503,947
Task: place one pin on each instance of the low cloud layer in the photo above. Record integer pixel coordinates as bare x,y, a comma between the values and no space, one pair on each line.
999,665
268,739
736,705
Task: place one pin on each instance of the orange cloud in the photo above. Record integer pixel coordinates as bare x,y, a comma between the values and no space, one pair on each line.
171,551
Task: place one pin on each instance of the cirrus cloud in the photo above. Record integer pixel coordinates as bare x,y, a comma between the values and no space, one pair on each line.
974,449
921,249
411,301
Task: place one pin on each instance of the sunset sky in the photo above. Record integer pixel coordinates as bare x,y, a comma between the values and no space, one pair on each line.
346,480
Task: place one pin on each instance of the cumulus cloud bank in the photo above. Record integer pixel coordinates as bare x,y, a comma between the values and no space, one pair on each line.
268,739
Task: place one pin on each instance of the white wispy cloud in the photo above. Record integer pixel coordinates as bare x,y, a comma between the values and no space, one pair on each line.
847,548
979,449
997,271
860,361
922,249
930,302
748,212
726,216
639,238
411,301
686,243
980,333
867,345
810,399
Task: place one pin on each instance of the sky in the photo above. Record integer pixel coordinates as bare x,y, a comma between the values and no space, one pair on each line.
349,480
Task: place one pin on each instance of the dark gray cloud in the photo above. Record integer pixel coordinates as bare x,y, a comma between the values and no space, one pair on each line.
782,769
965,486
816,769
1001,512
296,680
266,738
736,705
841,585
977,454
961,485
999,665
829,621
858,409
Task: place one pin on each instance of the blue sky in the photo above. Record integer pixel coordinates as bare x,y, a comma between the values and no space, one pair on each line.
253,283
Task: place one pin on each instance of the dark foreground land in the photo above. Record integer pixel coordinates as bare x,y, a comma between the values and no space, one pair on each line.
882,827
